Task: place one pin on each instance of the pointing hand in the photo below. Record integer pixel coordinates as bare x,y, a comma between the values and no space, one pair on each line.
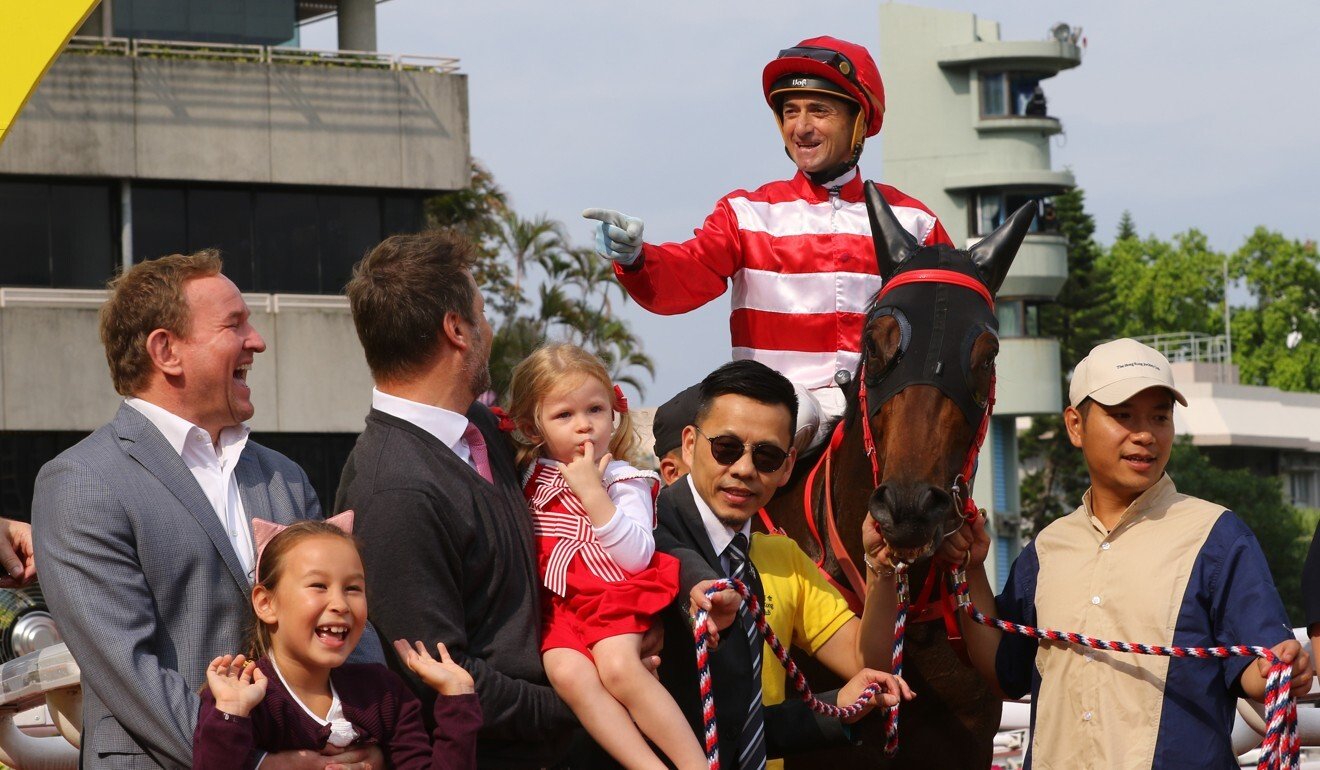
618,237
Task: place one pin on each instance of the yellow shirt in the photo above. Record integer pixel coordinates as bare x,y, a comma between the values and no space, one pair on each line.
800,606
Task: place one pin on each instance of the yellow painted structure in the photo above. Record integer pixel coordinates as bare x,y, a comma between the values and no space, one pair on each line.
32,34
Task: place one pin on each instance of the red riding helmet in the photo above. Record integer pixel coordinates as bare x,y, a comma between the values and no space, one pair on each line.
833,66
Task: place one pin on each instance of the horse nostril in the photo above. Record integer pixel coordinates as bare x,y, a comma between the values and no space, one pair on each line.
936,501
883,506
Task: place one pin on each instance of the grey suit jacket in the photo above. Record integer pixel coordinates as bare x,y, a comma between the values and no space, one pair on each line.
143,582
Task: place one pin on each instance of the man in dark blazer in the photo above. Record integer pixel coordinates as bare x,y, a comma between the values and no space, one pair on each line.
143,529
446,537
739,452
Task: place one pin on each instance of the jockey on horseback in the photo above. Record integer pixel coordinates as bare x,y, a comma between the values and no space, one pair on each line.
798,251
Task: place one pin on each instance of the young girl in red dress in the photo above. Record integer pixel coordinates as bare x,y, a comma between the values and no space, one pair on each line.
602,580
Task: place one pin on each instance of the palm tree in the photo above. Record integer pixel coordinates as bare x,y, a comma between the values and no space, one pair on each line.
528,240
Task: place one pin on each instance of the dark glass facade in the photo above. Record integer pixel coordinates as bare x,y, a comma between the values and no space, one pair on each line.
22,453
274,239
66,234
259,22
58,234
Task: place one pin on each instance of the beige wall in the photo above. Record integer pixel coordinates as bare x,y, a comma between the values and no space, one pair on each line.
243,122
53,376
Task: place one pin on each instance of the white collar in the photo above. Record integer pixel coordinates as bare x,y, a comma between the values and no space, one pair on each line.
720,535
177,430
445,425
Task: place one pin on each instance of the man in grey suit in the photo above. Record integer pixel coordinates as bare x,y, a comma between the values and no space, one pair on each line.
143,530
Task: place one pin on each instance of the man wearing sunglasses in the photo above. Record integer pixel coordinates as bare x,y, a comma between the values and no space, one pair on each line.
738,451
801,246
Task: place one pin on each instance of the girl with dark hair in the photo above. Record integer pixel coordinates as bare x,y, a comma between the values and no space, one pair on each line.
294,690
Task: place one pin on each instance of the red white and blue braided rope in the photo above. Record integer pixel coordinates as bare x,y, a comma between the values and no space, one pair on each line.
1280,749
795,676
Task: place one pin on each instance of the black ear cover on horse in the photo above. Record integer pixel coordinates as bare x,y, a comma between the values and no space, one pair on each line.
893,243
994,254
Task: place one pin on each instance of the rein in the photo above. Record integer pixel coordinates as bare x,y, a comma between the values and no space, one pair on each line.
799,682
1280,749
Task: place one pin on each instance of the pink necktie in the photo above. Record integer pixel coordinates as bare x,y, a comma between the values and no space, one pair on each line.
477,446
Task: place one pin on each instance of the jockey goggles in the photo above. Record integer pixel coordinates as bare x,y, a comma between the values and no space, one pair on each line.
830,58
727,450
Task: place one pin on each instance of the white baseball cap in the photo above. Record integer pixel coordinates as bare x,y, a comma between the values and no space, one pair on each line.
1118,370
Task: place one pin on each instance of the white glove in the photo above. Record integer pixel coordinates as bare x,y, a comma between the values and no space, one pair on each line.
619,237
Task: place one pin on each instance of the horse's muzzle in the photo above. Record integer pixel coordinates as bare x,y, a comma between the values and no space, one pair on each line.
912,517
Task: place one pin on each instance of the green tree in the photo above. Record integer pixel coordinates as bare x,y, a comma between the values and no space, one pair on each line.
1258,501
1167,286
1283,277
1127,229
1079,319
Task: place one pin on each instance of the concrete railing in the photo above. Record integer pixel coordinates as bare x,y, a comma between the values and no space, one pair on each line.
259,54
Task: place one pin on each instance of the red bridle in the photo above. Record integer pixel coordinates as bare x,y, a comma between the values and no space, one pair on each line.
960,487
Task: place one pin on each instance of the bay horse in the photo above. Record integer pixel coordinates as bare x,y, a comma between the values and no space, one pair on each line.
904,454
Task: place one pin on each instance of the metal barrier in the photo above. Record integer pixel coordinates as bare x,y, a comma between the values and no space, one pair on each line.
47,680
259,54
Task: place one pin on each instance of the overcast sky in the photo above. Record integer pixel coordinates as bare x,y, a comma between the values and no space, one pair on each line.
1187,114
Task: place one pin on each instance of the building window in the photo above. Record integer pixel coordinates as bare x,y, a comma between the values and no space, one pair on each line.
1018,318
1012,94
254,22
273,239
991,207
1304,488
58,234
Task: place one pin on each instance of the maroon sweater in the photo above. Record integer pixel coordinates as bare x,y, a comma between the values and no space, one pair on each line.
375,700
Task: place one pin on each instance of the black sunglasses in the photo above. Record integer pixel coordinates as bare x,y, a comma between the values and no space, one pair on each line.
727,450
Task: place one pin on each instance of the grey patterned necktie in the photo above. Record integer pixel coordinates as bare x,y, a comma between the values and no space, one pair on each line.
751,744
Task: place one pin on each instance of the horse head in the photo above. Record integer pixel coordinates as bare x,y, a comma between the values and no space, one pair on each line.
926,378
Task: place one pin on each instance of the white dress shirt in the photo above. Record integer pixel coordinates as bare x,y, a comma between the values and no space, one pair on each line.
445,425
213,467
719,534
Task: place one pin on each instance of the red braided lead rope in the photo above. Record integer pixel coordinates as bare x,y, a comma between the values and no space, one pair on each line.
795,676
1280,749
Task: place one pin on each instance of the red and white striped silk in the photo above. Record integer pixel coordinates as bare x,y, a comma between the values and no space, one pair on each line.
557,513
802,266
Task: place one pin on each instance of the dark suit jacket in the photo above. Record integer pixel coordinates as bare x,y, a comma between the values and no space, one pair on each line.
382,710
144,583
789,726
450,557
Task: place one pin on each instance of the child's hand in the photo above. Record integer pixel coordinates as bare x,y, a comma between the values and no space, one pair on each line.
237,684
584,473
444,676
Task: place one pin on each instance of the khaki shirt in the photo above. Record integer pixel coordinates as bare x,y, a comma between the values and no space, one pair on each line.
1174,570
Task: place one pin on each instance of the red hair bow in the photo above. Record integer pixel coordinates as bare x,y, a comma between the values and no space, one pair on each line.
506,422
621,400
